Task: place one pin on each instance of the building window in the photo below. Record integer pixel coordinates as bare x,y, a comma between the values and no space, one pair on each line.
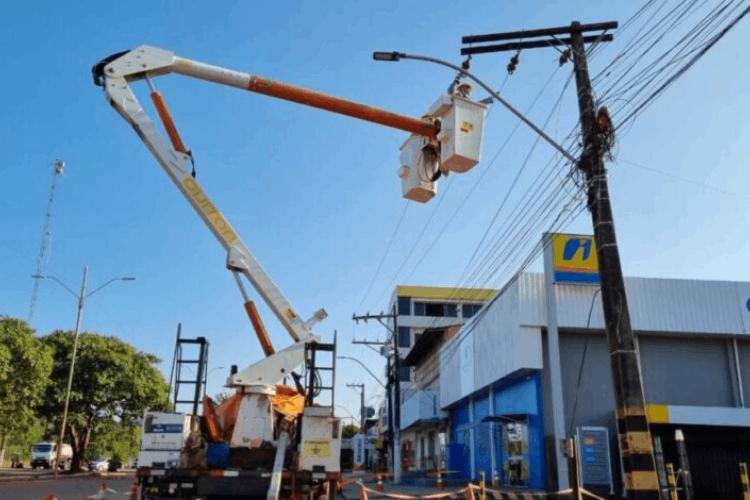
404,336
404,306
435,309
451,310
419,309
404,374
469,310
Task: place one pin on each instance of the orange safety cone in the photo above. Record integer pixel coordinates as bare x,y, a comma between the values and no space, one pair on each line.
379,486
133,491
50,496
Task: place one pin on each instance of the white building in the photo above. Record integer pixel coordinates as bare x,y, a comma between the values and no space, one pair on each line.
693,342
420,308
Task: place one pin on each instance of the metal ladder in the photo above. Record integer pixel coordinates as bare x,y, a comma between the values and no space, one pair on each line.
316,382
181,370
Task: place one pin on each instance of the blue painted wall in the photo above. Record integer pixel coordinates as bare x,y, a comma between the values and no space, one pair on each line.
511,396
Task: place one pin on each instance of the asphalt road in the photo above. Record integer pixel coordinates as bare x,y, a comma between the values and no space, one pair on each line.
77,488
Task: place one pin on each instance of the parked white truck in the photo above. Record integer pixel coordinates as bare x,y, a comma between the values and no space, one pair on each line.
44,455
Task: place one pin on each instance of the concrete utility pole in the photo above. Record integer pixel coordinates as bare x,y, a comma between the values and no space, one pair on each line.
79,314
393,388
81,297
361,388
636,446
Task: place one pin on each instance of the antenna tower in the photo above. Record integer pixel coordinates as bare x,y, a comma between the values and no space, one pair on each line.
46,236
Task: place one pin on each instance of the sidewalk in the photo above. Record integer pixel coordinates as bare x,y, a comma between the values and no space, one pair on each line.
351,491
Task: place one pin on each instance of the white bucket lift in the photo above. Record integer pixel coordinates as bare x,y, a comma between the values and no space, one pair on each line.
419,164
458,150
460,136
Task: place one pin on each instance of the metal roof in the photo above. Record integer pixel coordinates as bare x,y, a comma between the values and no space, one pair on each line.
656,305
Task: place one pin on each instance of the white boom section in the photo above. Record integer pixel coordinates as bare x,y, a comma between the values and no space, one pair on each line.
148,61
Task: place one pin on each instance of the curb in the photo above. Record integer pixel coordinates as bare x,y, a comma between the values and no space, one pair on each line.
51,477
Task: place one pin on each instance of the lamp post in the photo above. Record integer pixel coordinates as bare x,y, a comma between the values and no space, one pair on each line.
81,297
397,56
365,367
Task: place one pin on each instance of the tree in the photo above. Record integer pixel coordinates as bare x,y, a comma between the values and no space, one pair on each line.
114,439
25,365
112,381
349,430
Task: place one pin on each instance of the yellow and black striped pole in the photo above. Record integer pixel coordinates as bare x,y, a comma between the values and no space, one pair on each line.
671,482
745,481
636,449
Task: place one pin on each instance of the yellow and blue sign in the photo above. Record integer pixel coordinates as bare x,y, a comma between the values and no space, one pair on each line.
574,259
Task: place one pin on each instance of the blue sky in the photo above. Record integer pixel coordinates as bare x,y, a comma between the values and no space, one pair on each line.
315,195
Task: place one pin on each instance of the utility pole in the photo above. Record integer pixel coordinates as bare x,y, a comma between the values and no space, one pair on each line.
361,388
394,386
636,446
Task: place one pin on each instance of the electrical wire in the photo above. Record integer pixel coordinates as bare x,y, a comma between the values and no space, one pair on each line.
383,257
684,179
487,168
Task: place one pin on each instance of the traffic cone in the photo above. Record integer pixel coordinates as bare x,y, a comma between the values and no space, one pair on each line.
50,496
102,491
379,485
133,491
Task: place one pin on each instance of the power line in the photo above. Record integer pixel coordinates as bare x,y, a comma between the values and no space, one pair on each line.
677,74
683,179
484,172
385,254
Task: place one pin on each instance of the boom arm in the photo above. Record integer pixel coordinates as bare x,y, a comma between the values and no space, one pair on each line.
117,72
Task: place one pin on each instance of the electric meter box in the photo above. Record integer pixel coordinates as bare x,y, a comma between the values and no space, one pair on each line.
417,168
461,130
320,442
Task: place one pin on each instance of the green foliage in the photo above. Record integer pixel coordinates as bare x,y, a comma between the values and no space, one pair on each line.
112,382
349,431
114,439
25,366
112,379
19,443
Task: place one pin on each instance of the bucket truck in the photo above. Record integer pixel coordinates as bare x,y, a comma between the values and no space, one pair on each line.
275,451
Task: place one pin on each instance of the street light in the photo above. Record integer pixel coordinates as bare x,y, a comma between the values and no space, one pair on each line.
397,56
365,367
81,296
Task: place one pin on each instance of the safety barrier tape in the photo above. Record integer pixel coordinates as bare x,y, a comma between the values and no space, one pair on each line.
366,493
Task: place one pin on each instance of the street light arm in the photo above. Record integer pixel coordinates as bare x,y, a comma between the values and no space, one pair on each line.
124,278
397,56
365,367
56,280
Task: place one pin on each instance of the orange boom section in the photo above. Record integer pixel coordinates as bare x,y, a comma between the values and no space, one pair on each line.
342,106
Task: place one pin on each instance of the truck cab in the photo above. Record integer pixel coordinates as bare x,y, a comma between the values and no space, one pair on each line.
44,455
